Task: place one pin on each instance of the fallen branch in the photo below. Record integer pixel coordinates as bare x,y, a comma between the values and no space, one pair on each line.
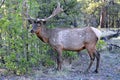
110,46
108,37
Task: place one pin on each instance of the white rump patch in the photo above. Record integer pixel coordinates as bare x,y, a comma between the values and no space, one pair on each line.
97,32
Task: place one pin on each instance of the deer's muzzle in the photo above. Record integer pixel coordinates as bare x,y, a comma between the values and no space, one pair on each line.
32,31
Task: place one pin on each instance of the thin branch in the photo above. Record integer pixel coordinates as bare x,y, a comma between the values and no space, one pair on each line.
2,3
117,46
65,2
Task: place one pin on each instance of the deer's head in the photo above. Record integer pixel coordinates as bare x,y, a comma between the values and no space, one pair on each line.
37,23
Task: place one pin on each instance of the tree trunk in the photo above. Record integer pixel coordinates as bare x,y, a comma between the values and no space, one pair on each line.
102,16
25,27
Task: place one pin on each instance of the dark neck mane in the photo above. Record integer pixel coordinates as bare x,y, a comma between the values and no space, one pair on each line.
43,34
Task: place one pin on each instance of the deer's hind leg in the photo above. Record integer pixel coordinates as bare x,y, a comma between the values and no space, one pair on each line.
92,58
97,55
91,52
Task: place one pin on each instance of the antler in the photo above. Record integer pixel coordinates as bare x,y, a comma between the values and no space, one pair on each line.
54,13
30,18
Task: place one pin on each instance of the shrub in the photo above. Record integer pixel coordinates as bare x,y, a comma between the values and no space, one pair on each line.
101,45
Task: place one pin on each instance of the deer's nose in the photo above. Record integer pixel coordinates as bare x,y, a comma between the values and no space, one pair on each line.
32,31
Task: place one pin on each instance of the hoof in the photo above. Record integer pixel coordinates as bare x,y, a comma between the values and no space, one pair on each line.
96,71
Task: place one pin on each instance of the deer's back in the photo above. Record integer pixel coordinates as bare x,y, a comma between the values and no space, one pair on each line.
71,39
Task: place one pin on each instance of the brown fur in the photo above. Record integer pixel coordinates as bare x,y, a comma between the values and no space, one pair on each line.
55,38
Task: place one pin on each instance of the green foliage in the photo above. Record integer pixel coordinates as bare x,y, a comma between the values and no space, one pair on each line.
92,7
46,8
69,54
101,44
46,60
4,22
23,51
19,58
16,66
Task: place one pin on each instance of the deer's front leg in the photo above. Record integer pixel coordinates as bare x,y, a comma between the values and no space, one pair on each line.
59,59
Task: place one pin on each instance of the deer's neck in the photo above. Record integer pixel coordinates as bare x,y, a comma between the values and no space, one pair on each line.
42,34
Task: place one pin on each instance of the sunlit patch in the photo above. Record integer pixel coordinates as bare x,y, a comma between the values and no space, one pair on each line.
97,32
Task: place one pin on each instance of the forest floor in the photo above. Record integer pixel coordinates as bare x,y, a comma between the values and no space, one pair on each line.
109,68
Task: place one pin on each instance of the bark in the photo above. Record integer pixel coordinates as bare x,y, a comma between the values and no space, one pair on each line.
74,23
2,57
25,26
108,37
102,17
112,45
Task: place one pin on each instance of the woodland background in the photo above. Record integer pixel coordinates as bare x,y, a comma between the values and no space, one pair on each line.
21,52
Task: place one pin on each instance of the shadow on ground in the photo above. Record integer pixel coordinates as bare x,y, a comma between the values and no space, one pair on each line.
109,70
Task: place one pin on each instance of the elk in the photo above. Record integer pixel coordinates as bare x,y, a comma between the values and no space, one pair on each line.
73,39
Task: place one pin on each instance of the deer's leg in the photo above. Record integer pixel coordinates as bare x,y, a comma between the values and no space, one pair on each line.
59,58
92,58
97,55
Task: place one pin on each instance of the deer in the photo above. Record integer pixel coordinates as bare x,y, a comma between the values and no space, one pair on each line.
71,39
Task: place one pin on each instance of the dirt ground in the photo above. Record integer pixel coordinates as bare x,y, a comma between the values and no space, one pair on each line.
109,69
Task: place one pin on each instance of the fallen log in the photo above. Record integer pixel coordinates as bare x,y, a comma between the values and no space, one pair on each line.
108,37
111,46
